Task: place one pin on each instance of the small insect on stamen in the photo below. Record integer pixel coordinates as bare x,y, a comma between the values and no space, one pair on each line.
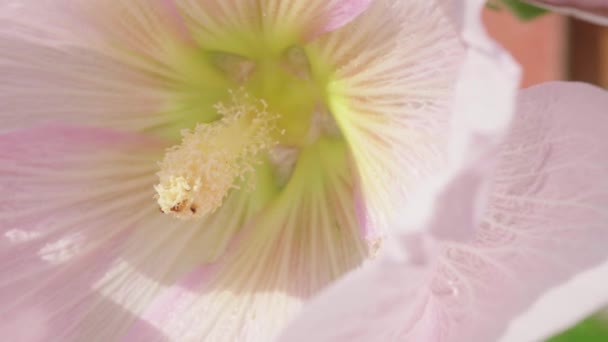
179,207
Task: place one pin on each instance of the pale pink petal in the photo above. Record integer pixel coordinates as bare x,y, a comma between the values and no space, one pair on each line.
561,307
73,198
545,222
84,249
385,300
595,11
396,67
290,246
58,65
392,298
554,182
396,297
488,78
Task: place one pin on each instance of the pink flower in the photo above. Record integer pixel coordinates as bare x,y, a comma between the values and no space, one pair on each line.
297,113
282,141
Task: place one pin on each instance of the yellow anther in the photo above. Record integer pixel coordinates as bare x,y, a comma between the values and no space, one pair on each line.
196,176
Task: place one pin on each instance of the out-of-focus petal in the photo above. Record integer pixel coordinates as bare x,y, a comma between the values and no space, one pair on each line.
595,11
545,222
549,217
302,240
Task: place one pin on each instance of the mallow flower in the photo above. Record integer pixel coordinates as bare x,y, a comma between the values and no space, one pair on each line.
240,155
198,170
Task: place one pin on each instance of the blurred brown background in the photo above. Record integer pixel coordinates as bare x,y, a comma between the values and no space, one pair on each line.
553,47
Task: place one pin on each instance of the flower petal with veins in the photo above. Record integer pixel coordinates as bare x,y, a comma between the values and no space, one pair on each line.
289,261
391,96
66,193
556,166
544,221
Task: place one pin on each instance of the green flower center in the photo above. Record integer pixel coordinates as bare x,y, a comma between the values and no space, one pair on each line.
245,104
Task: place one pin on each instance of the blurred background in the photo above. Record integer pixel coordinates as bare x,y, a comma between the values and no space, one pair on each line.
553,47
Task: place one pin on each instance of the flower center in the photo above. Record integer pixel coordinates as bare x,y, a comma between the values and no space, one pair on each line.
196,176
274,101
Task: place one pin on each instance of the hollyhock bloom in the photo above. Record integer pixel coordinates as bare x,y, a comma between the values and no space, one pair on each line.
196,170
306,125
530,192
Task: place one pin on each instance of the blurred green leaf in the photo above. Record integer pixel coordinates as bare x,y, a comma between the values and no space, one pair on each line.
522,10
590,330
